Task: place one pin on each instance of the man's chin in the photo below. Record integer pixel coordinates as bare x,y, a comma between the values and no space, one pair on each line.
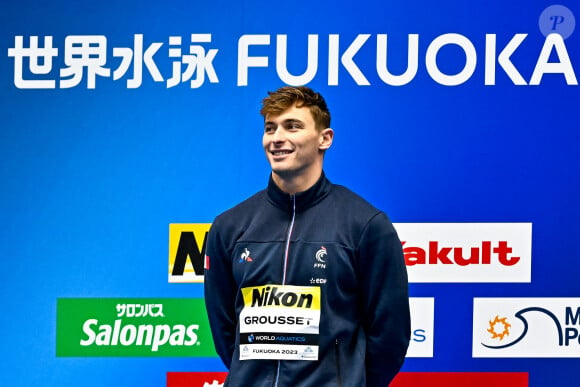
284,173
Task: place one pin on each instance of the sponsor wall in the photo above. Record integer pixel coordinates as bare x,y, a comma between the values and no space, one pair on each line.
127,127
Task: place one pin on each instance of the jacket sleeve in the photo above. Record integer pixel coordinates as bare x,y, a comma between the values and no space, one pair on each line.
220,293
385,300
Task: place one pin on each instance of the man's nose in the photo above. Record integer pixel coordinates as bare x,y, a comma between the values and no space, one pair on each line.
278,135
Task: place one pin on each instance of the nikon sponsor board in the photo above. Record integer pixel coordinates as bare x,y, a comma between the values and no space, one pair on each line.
132,327
187,251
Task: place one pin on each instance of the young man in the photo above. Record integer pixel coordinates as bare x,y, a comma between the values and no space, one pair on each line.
305,282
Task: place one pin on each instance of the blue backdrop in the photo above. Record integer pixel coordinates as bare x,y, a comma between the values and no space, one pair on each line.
92,177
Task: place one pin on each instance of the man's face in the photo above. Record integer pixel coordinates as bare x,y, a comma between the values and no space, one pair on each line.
293,146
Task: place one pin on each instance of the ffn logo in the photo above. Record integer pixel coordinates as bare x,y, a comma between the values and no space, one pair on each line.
320,258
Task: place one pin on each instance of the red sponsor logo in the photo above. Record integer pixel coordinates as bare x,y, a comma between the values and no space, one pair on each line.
196,379
403,379
484,254
461,379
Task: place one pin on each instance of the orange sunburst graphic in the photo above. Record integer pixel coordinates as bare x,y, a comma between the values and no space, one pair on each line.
493,324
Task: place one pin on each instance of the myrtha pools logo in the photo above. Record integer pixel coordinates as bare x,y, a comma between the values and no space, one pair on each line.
526,327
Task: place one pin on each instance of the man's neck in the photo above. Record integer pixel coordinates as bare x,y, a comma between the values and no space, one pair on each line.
295,184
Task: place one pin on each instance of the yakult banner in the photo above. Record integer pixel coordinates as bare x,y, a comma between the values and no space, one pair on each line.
467,252
126,127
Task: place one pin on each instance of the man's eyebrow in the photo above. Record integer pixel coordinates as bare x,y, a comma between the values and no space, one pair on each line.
286,121
292,120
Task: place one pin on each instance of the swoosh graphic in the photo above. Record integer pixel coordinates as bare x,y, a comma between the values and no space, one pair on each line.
519,315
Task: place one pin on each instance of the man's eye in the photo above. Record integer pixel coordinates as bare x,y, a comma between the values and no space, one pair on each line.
268,129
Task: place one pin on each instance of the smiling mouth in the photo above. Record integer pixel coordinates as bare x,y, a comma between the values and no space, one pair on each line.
280,152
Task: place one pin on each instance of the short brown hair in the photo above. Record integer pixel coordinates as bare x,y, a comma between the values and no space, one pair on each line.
285,97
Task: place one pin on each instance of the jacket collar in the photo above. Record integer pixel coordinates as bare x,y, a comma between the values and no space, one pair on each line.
303,200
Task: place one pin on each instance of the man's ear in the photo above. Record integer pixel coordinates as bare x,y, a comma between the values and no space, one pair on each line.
326,137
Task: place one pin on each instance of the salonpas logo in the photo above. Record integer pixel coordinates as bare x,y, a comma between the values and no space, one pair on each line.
160,327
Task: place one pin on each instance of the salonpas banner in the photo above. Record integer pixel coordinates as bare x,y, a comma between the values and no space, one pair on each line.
133,327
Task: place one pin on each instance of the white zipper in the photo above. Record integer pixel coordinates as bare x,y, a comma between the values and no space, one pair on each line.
286,253
287,250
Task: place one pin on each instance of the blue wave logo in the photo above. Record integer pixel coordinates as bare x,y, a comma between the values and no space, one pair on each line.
520,315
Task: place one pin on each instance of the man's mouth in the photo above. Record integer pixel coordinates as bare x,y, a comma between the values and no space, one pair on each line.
280,152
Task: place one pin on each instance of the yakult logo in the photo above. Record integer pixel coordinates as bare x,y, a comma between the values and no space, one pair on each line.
482,254
467,252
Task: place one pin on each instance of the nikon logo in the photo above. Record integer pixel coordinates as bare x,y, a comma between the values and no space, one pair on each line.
306,297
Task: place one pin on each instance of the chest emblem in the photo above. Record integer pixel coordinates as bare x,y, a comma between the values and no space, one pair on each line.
245,256
320,257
